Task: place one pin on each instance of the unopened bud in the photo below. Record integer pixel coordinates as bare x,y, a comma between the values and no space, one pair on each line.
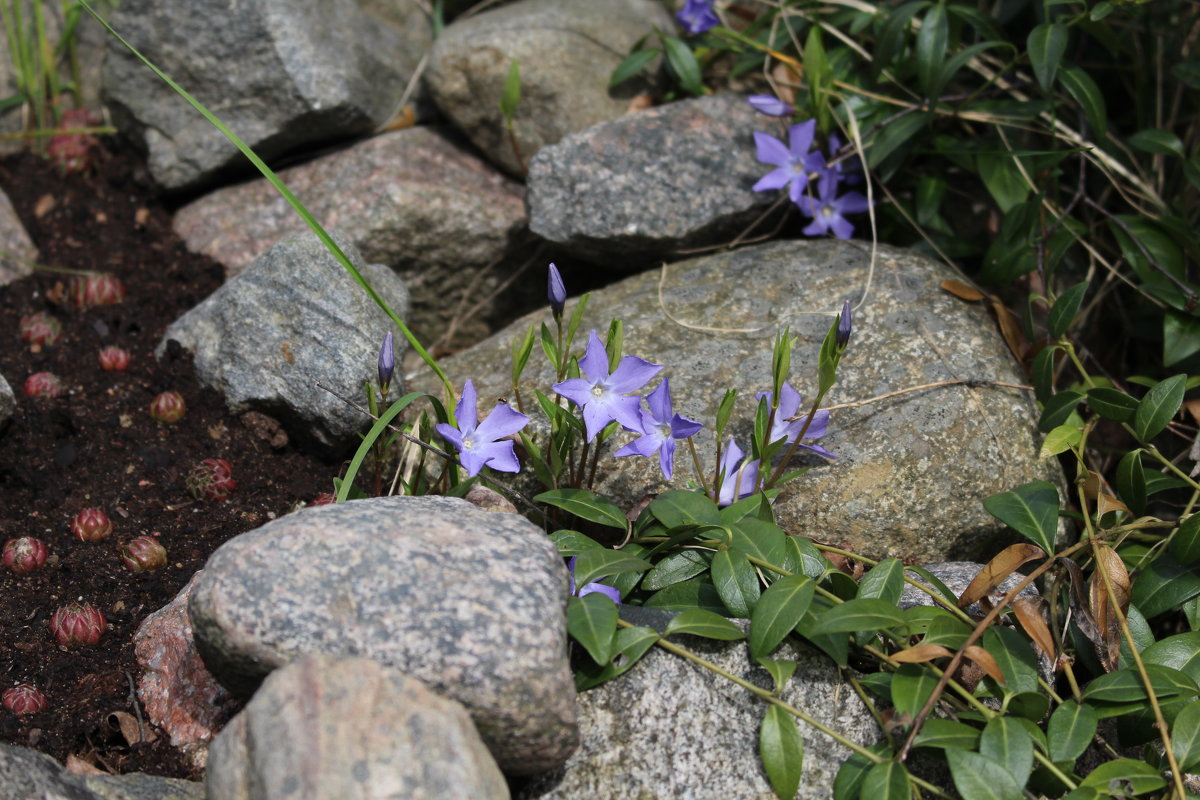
844,326
556,291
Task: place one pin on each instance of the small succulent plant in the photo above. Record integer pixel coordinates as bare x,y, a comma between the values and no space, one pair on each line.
143,554
78,623
168,407
114,359
323,499
39,330
24,699
91,525
25,555
43,384
89,291
72,152
211,479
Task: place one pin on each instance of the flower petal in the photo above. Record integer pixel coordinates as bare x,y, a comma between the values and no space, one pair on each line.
796,189
577,390
666,458
800,137
817,227
466,411
770,105
632,374
852,203
770,150
659,402
646,446
611,592
789,401
775,179
683,428
450,433
502,421
500,456
595,361
841,228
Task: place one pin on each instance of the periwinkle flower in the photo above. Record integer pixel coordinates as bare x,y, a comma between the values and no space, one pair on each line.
556,292
845,326
610,591
793,161
828,210
738,479
601,395
387,362
479,444
782,428
697,16
770,105
661,426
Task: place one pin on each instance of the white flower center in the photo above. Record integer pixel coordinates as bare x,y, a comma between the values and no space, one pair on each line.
827,211
664,430
597,391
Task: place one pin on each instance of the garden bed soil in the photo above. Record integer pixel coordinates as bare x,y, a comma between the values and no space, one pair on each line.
97,446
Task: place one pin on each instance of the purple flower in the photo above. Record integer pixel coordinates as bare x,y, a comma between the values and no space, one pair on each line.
793,161
555,291
844,327
610,591
770,105
697,16
789,406
661,426
477,443
600,395
387,362
737,480
827,210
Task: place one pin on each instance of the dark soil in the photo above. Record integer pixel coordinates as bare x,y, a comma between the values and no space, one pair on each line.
96,445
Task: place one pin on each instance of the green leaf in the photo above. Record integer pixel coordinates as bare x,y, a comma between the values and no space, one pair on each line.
1060,440
763,540
1163,585
1131,482
1112,404
780,670
736,581
860,614
698,622
1005,741
886,781
628,647
1185,737
1043,373
1015,658
1070,730
893,135
819,76
585,505
676,507
834,645
592,621
782,751
978,777
1158,407
1159,142
521,350
1031,510
1084,91
931,47
683,64
512,91
675,568
692,593
572,543
1181,652
1062,314
1002,179
947,630
1185,542
778,611
885,580
1123,691
911,686
592,565
1137,777
1046,44
891,41
812,562
946,734
633,65
1181,337
1058,409
1028,706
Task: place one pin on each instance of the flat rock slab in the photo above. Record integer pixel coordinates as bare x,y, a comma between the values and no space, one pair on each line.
471,602
674,177
14,244
27,774
913,469
330,728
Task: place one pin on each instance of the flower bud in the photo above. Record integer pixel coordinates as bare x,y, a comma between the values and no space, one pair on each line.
24,555
143,554
114,359
770,105
211,479
387,362
43,384
91,525
24,699
78,623
844,325
40,330
168,407
555,291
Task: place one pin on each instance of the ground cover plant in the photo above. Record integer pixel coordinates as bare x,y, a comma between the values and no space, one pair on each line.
1085,181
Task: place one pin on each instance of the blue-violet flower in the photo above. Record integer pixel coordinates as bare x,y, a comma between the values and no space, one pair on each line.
610,591
845,325
556,292
793,161
661,426
601,395
697,16
827,210
387,362
782,428
770,105
479,444
738,480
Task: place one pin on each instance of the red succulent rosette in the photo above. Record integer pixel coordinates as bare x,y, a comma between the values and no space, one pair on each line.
43,384
114,359
143,554
211,479
91,525
168,407
24,699
78,623
25,555
40,330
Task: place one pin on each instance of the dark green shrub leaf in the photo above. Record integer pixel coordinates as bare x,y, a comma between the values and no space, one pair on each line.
778,611
593,564
978,777
1065,308
585,505
628,647
781,671
1046,44
676,507
1043,373
1185,737
1158,407
675,568
692,593
1112,404
893,136
1028,706
1181,337
592,621
812,562
1137,777
912,685
885,580
782,751
1058,409
1131,482
572,543
1002,179
865,614
736,582
1070,730
763,540
1015,657
1181,652
1158,142
683,64
834,645
1005,741
698,622
1031,510
1163,585
633,65
931,47
1122,691
886,781
1185,543
947,734
1086,93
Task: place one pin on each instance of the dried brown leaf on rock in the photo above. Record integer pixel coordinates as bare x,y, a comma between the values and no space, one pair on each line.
78,766
995,571
985,661
919,654
132,731
962,291
1108,621
1029,616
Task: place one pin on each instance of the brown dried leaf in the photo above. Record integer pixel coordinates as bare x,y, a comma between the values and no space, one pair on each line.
919,654
1193,409
1106,503
985,661
78,766
1010,329
962,291
1108,623
1028,613
131,731
44,205
995,571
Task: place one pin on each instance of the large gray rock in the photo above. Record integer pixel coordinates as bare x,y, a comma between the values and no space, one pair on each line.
674,177
26,774
328,728
295,317
8,403
567,49
913,468
470,602
957,576
281,74
14,244
669,728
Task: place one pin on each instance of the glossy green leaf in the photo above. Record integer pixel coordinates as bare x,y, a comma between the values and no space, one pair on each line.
592,621
1060,440
778,611
1181,337
1084,91
1028,706
625,582
683,64
978,777
1185,542
1003,180
895,32
912,684
675,568
628,647
1043,373
1137,777
1163,585
847,784
931,46
591,565
1058,408
763,540
1062,314
1191,612
585,505
860,614
677,507
1070,730
946,734
782,751
1181,652
946,630
693,593
812,562
1131,482
895,135
886,781
1159,142
698,622
834,645
511,95
1031,510
1046,45
780,670
1158,407
736,582
634,64
1185,737
1123,689
1112,404
885,580
1015,657
572,543
1005,741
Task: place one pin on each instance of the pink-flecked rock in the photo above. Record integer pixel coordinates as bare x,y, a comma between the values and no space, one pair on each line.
489,500
177,692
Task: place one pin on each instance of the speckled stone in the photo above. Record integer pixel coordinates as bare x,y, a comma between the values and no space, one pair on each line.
26,774
674,177
14,241
567,50
471,602
294,318
8,402
913,469
957,576
329,728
